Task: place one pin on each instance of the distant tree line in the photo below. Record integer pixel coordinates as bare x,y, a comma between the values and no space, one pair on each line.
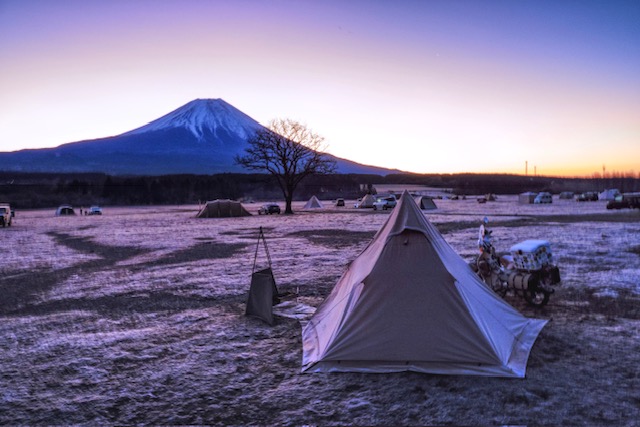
39,190
42,190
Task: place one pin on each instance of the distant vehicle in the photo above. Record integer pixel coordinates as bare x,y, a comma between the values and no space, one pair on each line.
6,215
94,210
543,198
566,195
339,202
268,209
384,203
625,201
589,196
618,204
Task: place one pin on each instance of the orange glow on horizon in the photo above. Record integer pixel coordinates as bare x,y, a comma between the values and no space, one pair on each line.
416,86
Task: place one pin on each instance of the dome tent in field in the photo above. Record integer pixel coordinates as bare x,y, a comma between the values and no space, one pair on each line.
609,194
426,203
313,203
222,209
65,210
408,302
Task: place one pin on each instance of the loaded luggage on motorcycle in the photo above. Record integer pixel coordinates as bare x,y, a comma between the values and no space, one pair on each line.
527,271
531,254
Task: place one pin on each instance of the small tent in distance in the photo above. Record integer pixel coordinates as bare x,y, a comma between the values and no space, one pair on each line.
222,209
313,203
609,194
366,202
65,210
527,198
426,203
408,302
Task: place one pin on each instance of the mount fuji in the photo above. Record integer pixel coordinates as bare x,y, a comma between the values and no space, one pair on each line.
201,137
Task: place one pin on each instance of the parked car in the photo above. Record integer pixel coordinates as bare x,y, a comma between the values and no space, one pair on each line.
6,215
543,197
625,201
589,196
268,209
94,210
619,203
566,195
339,202
384,203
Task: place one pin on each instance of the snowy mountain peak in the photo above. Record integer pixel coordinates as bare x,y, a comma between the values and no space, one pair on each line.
202,115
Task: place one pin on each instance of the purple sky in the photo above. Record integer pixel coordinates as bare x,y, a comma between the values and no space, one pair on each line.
426,86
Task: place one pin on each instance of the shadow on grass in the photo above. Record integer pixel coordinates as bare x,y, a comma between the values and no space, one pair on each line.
581,303
527,221
202,250
20,291
123,304
109,254
335,238
626,304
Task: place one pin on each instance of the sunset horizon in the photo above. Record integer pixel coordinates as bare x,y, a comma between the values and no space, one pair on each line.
433,87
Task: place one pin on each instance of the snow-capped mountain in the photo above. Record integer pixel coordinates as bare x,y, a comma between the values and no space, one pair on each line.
201,137
203,116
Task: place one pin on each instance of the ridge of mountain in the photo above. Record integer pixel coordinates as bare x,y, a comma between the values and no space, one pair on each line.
200,137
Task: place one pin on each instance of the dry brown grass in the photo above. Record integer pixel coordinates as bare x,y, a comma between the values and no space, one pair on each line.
139,322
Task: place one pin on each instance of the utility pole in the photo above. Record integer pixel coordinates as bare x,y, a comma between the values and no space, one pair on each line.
526,167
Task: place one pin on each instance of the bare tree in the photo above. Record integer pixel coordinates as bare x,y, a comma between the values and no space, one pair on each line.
290,152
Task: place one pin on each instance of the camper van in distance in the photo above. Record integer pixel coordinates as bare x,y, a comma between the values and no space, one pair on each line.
6,215
543,198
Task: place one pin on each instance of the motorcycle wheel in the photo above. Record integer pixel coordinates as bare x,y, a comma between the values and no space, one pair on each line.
536,297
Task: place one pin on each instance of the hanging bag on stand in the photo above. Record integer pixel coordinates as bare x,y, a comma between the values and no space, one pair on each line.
263,293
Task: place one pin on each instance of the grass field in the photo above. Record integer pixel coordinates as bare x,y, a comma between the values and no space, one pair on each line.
137,317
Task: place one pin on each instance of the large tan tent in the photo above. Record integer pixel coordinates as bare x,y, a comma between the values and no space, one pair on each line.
313,203
222,209
408,302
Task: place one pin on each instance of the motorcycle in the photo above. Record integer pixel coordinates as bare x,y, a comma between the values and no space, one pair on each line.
528,271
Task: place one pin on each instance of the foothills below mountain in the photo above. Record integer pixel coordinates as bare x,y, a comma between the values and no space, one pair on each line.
201,137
